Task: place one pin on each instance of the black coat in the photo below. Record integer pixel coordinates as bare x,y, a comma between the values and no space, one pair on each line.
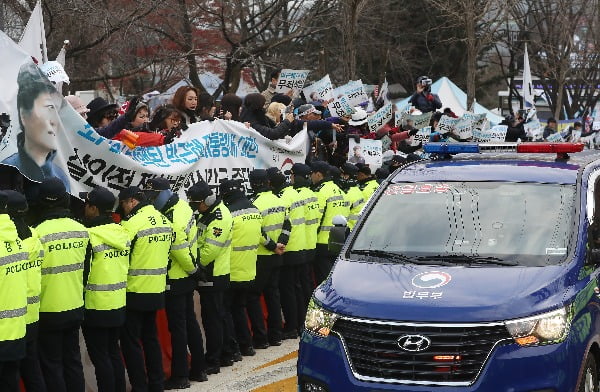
263,125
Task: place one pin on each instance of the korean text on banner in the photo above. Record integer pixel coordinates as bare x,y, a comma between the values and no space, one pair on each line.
367,151
321,90
340,107
290,79
380,118
422,136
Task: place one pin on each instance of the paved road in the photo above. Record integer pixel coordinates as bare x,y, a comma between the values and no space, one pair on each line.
270,370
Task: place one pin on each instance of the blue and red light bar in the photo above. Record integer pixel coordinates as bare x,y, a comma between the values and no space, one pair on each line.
528,147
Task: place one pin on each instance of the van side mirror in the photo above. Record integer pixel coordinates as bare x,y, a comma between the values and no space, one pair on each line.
594,256
337,235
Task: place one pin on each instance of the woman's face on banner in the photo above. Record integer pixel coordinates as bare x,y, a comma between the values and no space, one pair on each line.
41,123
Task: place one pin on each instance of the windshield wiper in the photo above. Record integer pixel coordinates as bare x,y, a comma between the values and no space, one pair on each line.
471,259
384,254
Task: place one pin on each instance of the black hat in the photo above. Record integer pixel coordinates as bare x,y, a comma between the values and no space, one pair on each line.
335,172
282,98
272,172
199,191
382,173
299,169
551,119
349,168
228,186
99,197
131,192
98,105
258,175
363,168
16,201
52,190
320,166
3,200
397,160
157,184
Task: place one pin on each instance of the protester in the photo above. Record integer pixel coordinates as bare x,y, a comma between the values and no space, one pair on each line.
515,129
275,113
255,114
550,128
186,101
231,107
78,105
270,91
423,99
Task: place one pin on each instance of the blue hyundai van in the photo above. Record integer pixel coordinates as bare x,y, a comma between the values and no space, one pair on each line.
475,273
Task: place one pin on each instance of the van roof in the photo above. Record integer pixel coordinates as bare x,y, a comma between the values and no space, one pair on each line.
513,167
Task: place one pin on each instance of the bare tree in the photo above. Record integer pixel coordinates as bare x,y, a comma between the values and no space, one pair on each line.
479,22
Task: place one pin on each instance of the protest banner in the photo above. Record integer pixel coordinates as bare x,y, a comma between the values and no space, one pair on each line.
534,129
340,107
381,117
420,120
422,136
291,79
62,144
555,138
367,151
399,117
467,123
321,90
354,91
446,124
495,134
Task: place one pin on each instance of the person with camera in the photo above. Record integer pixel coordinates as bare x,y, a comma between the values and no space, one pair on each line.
423,99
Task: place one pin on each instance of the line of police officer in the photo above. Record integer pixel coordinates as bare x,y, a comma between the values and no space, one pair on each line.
232,250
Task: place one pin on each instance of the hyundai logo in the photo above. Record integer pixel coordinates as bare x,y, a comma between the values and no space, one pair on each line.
414,343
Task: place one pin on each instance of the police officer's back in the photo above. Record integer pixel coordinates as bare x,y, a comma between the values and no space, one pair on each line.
61,300
105,288
13,299
151,236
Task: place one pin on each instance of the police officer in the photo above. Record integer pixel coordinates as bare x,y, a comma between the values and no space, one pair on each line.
14,259
181,282
268,263
30,369
353,194
65,242
215,226
331,203
300,178
245,238
105,289
290,288
366,182
151,236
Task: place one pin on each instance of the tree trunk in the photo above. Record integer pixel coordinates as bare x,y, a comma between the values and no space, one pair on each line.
471,59
188,46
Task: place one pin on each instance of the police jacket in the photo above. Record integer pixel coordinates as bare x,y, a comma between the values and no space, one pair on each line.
13,292
295,215
355,198
65,242
368,187
151,235
106,281
275,224
245,238
312,213
31,243
331,203
182,261
215,232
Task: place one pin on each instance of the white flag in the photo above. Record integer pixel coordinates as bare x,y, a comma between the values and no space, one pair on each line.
33,40
527,83
60,58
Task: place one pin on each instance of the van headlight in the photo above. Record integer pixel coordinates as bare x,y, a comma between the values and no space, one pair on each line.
548,328
318,320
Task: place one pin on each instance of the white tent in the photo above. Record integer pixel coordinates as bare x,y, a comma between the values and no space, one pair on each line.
454,98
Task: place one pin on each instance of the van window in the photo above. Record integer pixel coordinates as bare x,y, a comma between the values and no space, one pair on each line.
524,223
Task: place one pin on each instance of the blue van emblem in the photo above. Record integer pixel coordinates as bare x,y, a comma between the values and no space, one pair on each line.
431,280
414,343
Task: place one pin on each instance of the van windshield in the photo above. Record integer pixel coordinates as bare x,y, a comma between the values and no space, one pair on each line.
500,223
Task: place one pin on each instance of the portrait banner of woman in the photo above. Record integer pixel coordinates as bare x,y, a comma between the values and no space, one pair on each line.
40,125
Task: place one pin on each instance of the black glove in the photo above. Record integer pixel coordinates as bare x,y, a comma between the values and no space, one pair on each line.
199,275
170,136
355,137
130,113
413,131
